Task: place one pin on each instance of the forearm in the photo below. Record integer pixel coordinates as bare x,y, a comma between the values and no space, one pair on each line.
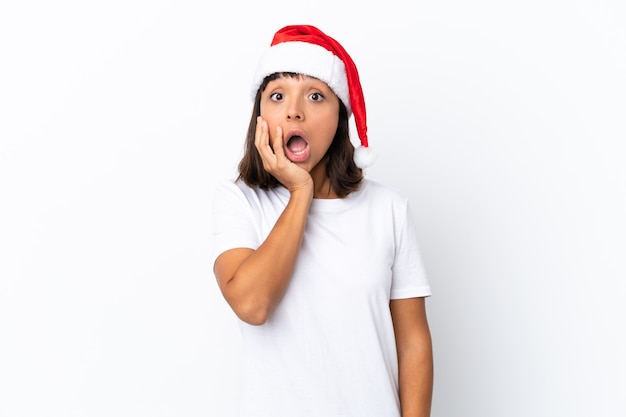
262,278
415,356
416,380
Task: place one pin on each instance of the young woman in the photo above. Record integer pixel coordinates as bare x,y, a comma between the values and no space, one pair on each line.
321,265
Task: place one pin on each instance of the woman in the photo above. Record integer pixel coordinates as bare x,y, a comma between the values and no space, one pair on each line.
321,265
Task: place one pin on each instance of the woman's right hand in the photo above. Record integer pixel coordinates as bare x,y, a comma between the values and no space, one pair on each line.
292,176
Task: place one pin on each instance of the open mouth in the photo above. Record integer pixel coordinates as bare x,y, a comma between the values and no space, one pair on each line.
296,144
297,147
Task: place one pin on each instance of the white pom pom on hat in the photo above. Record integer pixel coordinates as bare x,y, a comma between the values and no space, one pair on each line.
304,49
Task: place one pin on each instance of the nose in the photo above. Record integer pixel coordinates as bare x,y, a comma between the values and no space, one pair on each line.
294,111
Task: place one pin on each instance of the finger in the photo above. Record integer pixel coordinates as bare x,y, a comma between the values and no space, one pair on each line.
260,134
277,145
261,139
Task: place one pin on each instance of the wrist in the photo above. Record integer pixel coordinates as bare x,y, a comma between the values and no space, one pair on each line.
304,189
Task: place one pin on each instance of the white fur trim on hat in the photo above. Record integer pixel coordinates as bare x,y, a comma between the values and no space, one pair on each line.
304,58
364,157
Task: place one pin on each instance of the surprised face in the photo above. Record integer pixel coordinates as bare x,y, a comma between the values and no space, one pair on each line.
307,110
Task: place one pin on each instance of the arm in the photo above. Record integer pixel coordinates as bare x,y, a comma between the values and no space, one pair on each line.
415,360
254,281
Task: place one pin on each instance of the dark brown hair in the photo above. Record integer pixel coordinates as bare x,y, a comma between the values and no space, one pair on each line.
345,176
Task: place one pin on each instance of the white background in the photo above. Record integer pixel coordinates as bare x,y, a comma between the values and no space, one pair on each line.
504,122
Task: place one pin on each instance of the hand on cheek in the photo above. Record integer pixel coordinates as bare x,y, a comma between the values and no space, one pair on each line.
274,160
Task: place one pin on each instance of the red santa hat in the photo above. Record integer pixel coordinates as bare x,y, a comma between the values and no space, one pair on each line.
305,49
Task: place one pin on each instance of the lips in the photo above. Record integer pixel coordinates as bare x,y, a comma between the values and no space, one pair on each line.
296,146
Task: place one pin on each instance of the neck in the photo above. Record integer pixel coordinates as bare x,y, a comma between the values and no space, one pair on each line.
322,186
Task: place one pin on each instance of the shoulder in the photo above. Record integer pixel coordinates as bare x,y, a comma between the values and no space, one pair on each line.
232,190
227,187
237,190
234,187
386,202
379,192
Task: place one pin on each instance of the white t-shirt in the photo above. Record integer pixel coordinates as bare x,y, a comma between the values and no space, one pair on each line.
328,349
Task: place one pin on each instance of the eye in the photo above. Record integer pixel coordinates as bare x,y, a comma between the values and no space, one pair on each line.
316,97
276,96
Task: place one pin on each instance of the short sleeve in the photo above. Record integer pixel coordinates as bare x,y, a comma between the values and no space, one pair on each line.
233,225
408,274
